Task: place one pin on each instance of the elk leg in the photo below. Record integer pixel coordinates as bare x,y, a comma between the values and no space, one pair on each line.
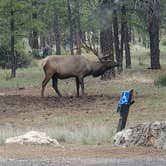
77,86
81,81
44,83
55,85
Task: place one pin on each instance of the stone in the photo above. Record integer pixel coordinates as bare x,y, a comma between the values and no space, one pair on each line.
33,138
146,134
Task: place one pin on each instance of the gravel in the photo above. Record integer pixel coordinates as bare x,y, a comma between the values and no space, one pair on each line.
86,162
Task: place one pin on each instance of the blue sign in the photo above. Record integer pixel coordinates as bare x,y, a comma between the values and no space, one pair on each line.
124,99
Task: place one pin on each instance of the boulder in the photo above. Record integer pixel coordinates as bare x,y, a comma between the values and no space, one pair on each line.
146,134
34,138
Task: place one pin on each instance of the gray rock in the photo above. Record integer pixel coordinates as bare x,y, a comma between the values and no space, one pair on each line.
146,134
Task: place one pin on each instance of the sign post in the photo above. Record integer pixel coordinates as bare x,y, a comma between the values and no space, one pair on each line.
123,108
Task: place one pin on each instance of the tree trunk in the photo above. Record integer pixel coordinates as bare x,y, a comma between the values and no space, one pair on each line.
34,35
70,26
154,36
126,39
121,44
35,43
106,37
78,25
116,38
13,57
42,41
106,45
57,35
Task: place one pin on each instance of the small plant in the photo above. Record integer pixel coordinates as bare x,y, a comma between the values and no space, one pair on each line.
161,80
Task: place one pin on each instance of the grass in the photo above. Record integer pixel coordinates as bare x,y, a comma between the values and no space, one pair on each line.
96,127
29,77
86,134
7,132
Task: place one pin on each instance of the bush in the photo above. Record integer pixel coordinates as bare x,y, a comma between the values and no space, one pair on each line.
4,56
23,59
161,80
23,54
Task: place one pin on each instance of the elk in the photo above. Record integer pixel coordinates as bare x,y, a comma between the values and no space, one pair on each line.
63,67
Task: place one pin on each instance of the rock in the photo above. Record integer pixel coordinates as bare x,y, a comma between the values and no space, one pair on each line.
146,134
34,138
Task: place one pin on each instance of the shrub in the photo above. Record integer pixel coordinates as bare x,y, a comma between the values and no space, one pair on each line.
4,56
161,80
23,59
22,51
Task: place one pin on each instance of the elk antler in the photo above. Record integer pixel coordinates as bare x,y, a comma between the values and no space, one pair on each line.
90,45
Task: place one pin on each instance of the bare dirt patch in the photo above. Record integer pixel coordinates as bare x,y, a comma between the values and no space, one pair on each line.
18,105
78,151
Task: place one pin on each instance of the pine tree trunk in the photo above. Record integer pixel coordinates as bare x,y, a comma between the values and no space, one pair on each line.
78,25
127,48
35,43
34,36
13,57
42,41
121,44
71,26
106,38
154,36
126,39
116,38
57,35
106,45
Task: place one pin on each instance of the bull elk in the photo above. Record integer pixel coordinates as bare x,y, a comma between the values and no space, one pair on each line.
63,67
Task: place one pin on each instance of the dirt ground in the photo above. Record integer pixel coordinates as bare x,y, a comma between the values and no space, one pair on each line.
78,151
21,107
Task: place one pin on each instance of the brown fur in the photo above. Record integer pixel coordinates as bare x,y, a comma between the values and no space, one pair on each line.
63,67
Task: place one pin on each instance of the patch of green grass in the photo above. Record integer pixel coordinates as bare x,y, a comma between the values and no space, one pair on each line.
28,77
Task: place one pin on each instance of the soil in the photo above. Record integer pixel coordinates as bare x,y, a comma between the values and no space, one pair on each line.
23,107
20,108
28,152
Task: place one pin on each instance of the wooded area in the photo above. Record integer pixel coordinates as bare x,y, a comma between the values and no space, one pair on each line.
106,26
